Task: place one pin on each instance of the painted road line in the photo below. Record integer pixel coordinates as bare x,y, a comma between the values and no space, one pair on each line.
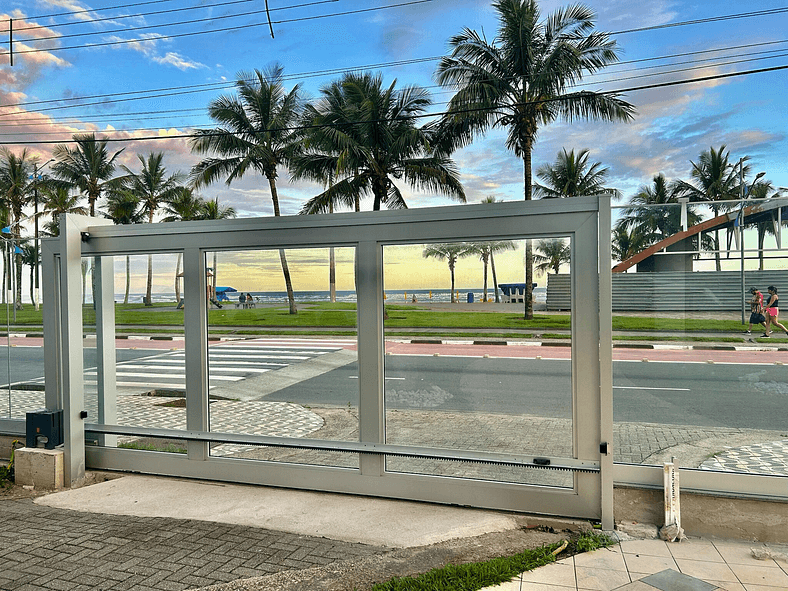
213,369
651,388
173,376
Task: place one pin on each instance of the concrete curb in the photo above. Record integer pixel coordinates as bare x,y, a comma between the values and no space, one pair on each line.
427,341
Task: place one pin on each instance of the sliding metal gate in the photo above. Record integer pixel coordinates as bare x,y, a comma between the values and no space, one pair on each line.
583,220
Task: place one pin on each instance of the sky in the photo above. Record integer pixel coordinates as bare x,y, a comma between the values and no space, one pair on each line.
138,87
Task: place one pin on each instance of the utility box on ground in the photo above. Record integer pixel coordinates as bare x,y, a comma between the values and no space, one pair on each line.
46,426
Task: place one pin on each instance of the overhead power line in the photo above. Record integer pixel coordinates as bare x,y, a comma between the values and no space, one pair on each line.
222,30
701,21
83,11
177,23
430,115
189,89
182,112
143,14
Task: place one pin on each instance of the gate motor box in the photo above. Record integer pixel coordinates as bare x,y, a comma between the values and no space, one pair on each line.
45,426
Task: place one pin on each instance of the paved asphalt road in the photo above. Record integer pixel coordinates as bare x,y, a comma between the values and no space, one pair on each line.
696,393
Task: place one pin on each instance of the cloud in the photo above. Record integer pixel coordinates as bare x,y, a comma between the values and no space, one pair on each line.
147,45
28,66
174,59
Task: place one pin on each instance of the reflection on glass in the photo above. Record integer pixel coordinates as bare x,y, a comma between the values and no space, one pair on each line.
146,388
283,374
467,377
707,392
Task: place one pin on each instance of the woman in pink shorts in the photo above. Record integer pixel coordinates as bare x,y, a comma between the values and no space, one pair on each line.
772,310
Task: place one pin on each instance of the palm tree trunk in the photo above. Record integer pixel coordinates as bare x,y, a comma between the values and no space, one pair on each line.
32,281
332,266
761,238
484,293
717,249
128,280
178,283
84,275
282,257
495,278
215,275
149,287
18,261
451,268
5,271
529,249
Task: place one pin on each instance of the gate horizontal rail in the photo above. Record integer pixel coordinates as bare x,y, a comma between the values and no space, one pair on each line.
384,449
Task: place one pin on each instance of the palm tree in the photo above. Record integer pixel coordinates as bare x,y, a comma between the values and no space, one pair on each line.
485,250
714,179
571,176
58,200
28,257
88,167
626,243
255,133
152,187
185,206
16,193
552,254
450,252
123,207
655,223
520,82
211,210
762,190
366,136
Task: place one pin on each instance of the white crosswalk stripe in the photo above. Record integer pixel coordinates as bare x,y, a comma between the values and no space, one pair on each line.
230,361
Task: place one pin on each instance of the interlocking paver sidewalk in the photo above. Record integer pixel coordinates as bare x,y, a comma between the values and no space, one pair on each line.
46,548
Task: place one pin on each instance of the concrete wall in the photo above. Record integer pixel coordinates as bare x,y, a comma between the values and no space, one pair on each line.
674,291
706,515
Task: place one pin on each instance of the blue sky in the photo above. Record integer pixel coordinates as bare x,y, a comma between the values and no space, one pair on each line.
673,125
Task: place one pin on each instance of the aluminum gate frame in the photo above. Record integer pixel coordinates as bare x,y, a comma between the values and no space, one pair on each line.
585,220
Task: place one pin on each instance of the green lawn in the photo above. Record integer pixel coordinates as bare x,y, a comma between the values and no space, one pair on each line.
343,316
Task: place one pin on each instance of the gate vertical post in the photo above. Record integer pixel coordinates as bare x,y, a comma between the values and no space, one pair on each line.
196,348
53,376
585,355
105,347
71,228
606,360
369,283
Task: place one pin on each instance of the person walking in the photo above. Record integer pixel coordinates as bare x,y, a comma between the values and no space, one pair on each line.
756,310
772,311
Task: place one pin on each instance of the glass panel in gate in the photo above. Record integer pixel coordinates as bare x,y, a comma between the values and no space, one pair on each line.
695,375
282,351
464,370
148,388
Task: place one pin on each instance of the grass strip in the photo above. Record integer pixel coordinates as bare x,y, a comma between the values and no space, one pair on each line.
478,575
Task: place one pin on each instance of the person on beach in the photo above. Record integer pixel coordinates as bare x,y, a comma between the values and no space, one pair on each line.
756,310
772,311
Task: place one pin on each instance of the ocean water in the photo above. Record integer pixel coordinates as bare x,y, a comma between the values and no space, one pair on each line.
392,296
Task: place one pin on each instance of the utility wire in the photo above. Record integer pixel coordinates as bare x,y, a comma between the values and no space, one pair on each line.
430,115
128,117
700,21
751,14
222,30
177,23
73,12
318,73
151,13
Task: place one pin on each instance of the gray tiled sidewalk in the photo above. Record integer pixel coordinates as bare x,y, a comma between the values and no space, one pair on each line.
45,548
